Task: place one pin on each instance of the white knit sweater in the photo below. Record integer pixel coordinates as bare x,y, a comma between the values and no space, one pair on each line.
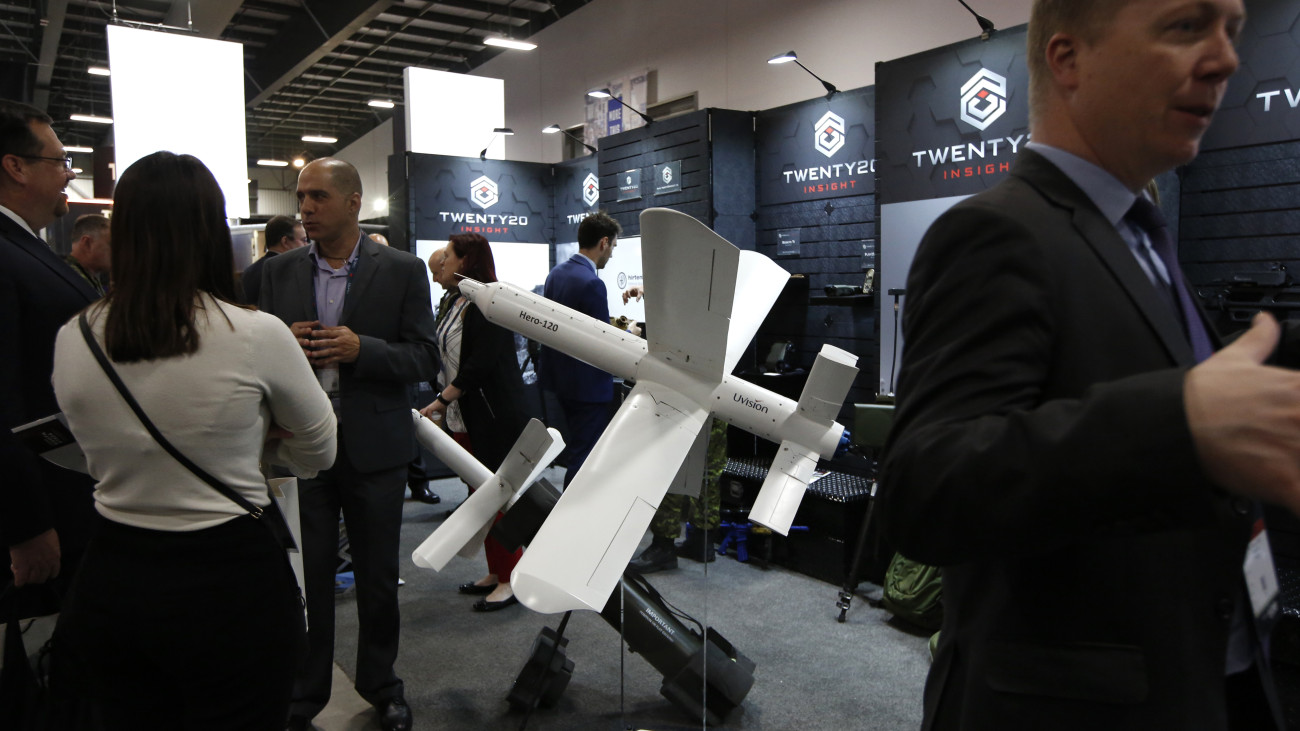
215,406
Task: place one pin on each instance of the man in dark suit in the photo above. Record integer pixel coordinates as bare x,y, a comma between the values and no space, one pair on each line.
584,391
1066,446
45,510
282,234
361,313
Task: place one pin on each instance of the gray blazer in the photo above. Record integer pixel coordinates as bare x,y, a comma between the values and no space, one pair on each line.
388,308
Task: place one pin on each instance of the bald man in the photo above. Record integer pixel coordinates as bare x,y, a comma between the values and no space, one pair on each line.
361,313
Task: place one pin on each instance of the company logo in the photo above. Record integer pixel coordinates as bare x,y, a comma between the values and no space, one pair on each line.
622,280
829,134
751,403
667,175
590,190
483,191
983,99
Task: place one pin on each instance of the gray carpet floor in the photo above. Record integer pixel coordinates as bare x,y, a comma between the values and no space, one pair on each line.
812,672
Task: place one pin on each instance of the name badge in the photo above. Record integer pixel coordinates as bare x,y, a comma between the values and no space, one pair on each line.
1261,576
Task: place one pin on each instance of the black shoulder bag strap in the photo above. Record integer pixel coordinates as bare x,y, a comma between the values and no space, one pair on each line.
279,529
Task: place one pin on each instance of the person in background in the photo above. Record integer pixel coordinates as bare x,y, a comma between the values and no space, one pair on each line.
362,315
585,392
1065,434
481,394
186,612
91,253
283,234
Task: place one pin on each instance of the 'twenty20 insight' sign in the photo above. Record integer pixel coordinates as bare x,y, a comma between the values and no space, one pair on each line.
1262,103
502,200
952,120
817,149
577,193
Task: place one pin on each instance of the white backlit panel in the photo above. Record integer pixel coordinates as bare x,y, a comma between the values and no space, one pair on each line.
454,114
523,265
185,95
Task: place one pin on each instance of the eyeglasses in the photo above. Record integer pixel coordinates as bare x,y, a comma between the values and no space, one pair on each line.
67,161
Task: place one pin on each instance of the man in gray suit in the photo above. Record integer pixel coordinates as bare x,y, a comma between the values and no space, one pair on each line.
361,313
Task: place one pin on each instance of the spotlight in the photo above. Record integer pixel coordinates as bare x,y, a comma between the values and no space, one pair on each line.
557,128
496,132
606,94
789,57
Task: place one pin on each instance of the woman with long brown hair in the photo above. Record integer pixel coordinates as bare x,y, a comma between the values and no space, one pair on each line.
185,613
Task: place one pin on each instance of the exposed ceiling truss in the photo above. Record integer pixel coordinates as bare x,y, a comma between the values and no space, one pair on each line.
311,66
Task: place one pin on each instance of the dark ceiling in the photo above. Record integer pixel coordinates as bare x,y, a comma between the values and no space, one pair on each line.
310,66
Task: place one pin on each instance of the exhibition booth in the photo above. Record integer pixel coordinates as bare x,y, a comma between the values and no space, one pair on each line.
837,191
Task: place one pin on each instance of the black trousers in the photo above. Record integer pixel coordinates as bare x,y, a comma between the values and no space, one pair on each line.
193,630
371,505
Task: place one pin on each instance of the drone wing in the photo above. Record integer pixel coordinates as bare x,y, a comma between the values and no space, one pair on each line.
582,549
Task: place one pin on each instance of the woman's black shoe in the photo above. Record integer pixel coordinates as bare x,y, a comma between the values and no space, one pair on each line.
483,605
476,589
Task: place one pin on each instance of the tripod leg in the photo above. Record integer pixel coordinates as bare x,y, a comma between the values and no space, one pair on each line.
851,581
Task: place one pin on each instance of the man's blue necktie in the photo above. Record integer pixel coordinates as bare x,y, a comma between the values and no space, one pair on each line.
1148,217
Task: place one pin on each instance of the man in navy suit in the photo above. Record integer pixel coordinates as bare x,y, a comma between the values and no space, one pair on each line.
44,510
584,391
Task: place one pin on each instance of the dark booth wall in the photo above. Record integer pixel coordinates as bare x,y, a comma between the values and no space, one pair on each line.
816,190
715,150
1239,223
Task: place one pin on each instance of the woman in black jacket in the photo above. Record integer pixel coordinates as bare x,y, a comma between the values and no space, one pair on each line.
481,393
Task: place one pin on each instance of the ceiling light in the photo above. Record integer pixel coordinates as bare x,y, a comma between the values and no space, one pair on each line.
299,162
599,93
77,170
79,149
786,57
380,103
273,163
98,71
325,140
509,43
90,118
553,129
380,205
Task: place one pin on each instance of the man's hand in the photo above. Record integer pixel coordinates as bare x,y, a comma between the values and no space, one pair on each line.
333,345
631,292
302,331
1245,418
35,560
